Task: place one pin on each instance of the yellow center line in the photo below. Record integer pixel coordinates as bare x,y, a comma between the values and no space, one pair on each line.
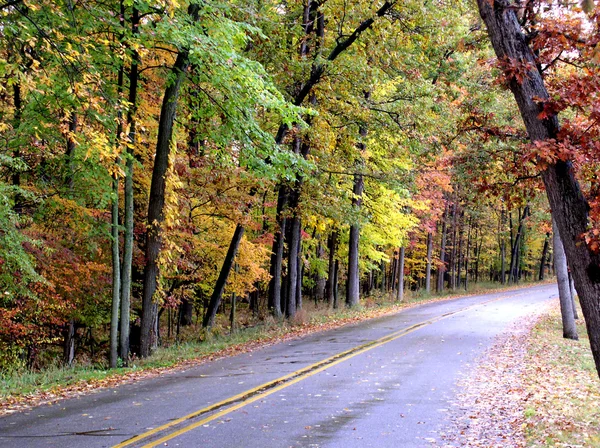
252,395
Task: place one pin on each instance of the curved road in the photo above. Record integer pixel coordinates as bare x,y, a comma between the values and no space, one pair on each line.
386,382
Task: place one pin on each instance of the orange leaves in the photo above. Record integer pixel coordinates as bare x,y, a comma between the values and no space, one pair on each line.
513,69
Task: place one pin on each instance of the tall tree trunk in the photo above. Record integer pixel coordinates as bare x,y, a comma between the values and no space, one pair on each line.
514,253
148,336
69,343
116,276
277,254
453,250
564,290
332,246
572,289
502,247
568,204
468,253
428,264
299,279
217,295
461,232
542,270
442,268
400,296
116,261
292,277
336,295
128,193
320,281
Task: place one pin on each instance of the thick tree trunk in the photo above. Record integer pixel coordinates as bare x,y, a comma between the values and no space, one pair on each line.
564,291
217,295
186,313
352,282
400,296
277,254
292,277
148,336
569,206
428,264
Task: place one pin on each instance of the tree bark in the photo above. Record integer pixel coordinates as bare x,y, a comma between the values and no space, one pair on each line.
400,296
217,295
569,206
542,270
514,253
428,264
116,276
332,246
442,268
148,336
564,291
128,191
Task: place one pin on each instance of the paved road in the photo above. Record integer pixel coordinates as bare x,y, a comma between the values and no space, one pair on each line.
383,383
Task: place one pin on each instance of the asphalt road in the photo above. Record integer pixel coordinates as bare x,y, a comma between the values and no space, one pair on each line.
387,382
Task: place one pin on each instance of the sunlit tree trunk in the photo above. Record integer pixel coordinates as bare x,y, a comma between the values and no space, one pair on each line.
564,290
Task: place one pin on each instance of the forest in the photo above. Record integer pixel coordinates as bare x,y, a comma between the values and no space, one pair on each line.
166,163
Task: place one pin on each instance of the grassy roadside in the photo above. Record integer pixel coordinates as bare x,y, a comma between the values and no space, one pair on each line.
19,389
562,405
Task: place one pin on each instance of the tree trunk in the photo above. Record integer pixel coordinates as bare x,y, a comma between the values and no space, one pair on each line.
442,268
292,277
320,281
542,270
116,277
569,206
352,282
514,253
572,289
428,265
400,296
564,291
128,206
277,254
336,296
69,343
502,248
217,295
332,246
148,336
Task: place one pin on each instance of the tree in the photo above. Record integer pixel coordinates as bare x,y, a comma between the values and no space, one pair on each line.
569,206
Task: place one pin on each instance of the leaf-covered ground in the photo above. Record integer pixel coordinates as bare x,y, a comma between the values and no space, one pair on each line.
531,389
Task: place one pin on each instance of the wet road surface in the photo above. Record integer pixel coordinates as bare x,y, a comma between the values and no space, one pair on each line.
386,382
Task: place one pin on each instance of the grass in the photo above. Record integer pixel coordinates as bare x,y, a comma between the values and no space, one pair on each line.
564,390
23,386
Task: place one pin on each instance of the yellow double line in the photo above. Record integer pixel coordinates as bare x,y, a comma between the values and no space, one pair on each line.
252,395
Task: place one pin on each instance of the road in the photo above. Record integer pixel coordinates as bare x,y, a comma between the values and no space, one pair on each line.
386,382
